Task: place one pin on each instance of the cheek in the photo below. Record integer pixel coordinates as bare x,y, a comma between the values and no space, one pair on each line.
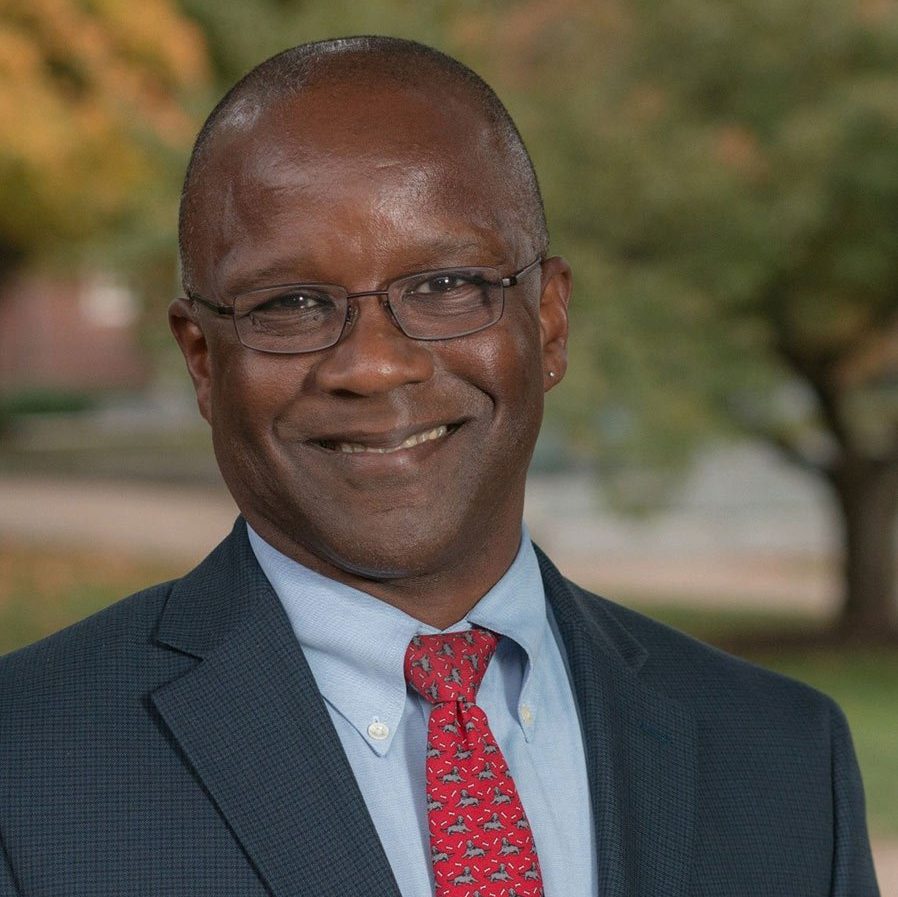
506,365
513,363
245,401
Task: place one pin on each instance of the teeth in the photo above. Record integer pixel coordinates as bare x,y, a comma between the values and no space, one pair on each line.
416,439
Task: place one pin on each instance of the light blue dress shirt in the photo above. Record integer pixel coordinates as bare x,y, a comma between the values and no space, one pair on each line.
355,645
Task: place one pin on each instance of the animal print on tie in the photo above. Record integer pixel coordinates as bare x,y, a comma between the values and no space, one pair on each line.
480,840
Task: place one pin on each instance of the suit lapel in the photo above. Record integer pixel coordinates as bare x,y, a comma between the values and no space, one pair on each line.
251,722
640,749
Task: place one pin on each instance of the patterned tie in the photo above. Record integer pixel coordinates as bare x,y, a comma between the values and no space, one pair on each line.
480,840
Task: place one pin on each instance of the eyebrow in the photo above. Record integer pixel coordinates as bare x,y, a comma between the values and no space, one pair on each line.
432,256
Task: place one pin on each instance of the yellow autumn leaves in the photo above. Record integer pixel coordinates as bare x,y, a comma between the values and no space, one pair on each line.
93,96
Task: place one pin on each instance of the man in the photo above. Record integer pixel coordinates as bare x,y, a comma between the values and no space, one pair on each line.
248,729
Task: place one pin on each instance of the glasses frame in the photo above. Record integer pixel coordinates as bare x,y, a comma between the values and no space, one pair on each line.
510,280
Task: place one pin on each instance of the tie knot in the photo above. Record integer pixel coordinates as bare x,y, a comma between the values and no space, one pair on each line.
449,667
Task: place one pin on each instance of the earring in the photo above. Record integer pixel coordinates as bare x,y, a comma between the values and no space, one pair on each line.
551,375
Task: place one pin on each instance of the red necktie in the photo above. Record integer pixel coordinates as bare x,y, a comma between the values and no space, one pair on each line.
480,840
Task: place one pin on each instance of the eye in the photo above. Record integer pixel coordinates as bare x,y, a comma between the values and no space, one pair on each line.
294,300
447,283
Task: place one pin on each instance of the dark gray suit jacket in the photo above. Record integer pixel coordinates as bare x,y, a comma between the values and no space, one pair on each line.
176,744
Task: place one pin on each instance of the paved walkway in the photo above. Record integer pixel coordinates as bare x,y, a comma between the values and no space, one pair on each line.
662,561
167,521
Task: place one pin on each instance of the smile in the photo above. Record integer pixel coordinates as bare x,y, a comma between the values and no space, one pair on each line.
410,442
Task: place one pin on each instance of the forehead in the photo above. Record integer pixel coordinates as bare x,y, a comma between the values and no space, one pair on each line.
373,165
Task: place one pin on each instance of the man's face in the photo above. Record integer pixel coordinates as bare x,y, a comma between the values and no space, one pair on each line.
360,186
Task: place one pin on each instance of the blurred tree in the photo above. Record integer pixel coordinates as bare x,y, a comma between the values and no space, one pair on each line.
724,176
94,118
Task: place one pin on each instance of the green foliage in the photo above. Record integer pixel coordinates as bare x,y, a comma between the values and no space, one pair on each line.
241,33
722,177
46,401
736,183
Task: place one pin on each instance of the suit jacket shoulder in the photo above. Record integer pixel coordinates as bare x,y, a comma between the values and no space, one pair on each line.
714,775
111,636
177,743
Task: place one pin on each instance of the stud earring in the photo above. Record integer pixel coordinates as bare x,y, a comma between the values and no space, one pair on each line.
551,375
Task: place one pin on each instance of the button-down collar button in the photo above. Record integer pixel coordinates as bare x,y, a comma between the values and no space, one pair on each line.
378,730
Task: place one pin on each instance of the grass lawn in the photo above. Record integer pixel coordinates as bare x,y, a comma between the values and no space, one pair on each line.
43,589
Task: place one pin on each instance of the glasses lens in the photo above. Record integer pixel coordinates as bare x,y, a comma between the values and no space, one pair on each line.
443,304
294,318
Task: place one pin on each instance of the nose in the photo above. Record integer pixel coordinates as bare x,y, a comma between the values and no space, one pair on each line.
374,356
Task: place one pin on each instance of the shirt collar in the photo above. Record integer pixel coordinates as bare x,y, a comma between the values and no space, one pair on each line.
355,644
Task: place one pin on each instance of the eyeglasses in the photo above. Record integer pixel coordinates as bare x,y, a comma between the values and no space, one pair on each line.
307,317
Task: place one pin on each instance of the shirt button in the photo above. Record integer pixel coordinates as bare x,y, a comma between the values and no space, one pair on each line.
378,730
526,714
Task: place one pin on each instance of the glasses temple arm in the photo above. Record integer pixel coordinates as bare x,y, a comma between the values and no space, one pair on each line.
513,279
212,306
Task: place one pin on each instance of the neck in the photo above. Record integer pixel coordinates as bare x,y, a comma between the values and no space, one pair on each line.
439,597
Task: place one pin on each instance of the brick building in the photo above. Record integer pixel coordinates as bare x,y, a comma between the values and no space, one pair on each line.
69,334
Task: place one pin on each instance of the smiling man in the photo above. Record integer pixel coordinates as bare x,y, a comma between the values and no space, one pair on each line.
381,440
377,685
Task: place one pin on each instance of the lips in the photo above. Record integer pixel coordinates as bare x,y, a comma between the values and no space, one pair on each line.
429,435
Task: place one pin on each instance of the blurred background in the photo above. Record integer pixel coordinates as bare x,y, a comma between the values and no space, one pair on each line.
723,179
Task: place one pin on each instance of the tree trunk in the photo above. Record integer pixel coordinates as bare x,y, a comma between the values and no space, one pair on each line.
867,494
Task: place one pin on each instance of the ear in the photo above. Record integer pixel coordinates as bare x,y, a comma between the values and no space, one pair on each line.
553,319
190,337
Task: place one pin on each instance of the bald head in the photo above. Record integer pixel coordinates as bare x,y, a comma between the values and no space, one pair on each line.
358,64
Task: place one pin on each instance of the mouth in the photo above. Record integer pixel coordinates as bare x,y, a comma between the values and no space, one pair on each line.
409,442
